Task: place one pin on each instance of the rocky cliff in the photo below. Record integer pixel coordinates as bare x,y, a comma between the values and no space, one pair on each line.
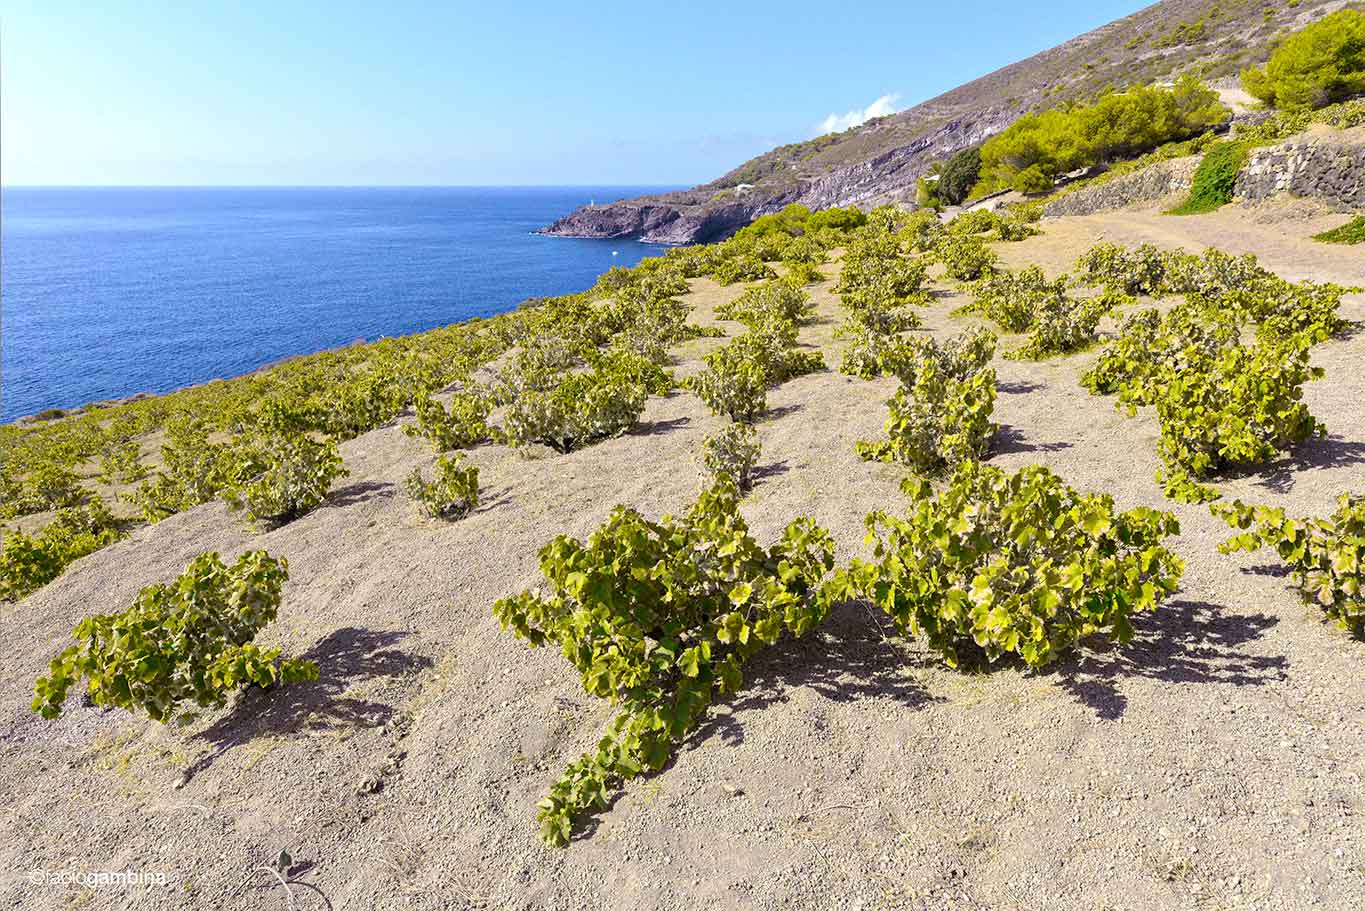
881,160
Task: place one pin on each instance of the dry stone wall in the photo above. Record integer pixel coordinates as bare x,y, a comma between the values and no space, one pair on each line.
1330,171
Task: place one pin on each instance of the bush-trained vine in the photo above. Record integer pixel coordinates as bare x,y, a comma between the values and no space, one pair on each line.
1325,557
659,618
463,425
48,486
190,640
282,476
29,562
731,386
1244,409
1012,300
451,494
731,453
1141,270
1018,564
937,420
194,471
964,257
567,411
778,299
1064,324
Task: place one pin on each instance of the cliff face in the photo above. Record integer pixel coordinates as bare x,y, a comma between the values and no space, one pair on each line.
881,160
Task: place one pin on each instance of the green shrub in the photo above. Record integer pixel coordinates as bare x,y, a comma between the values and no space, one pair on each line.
959,175
659,618
1012,300
121,463
452,494
876,273
1033,179
777,299
194,471
572,410
1013,565
1116,126
190,640
731,453
29,562
1138,271
1214,179
1353,232
1244,409
1322,63
801,273
741,268
731,385
465,424
1325,557
46,486
937,421
921,231
1063,324
964,258
282,476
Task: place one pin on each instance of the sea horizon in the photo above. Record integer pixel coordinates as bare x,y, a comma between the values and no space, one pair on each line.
116,290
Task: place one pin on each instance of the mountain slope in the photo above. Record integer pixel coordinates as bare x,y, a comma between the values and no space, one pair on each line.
881,160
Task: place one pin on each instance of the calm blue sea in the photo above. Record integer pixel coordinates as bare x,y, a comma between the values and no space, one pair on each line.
108,292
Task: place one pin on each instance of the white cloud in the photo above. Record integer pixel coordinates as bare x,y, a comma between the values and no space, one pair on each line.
836,123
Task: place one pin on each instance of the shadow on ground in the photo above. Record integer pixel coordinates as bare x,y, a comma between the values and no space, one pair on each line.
347,655
1011,439
1312,453
1181,642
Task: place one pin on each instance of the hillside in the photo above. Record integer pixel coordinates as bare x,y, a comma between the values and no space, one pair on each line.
1215,761
881,160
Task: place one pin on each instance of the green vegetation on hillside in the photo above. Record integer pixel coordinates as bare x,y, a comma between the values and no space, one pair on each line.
1037,148
1214,179
187,641
1321,64
1353,232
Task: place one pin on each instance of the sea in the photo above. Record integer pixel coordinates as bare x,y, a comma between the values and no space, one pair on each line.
107,292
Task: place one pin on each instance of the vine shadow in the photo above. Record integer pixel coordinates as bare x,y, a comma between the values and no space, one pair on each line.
1313,453
1010,439
1182,642
346,655
1023,387
852,656
655,428
359,492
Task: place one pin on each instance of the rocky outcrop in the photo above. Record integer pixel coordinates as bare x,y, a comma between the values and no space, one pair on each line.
1319,168
1148,185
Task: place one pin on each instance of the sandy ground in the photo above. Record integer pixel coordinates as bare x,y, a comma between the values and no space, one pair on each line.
1214,763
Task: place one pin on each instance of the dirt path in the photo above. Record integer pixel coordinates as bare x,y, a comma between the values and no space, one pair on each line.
1217,762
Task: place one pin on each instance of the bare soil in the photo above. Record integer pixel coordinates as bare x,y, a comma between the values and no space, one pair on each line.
1215,763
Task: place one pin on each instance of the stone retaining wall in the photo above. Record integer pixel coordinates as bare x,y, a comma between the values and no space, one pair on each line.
1150,184
1329,171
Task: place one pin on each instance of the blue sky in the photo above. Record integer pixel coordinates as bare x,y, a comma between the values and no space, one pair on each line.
492,93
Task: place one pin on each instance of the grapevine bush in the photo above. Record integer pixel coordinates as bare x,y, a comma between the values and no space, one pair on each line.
190,640
463,425
283,475
1325,557
567,411
29,562
731,453
964,257
936,419
1016,564
451,494
659,618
